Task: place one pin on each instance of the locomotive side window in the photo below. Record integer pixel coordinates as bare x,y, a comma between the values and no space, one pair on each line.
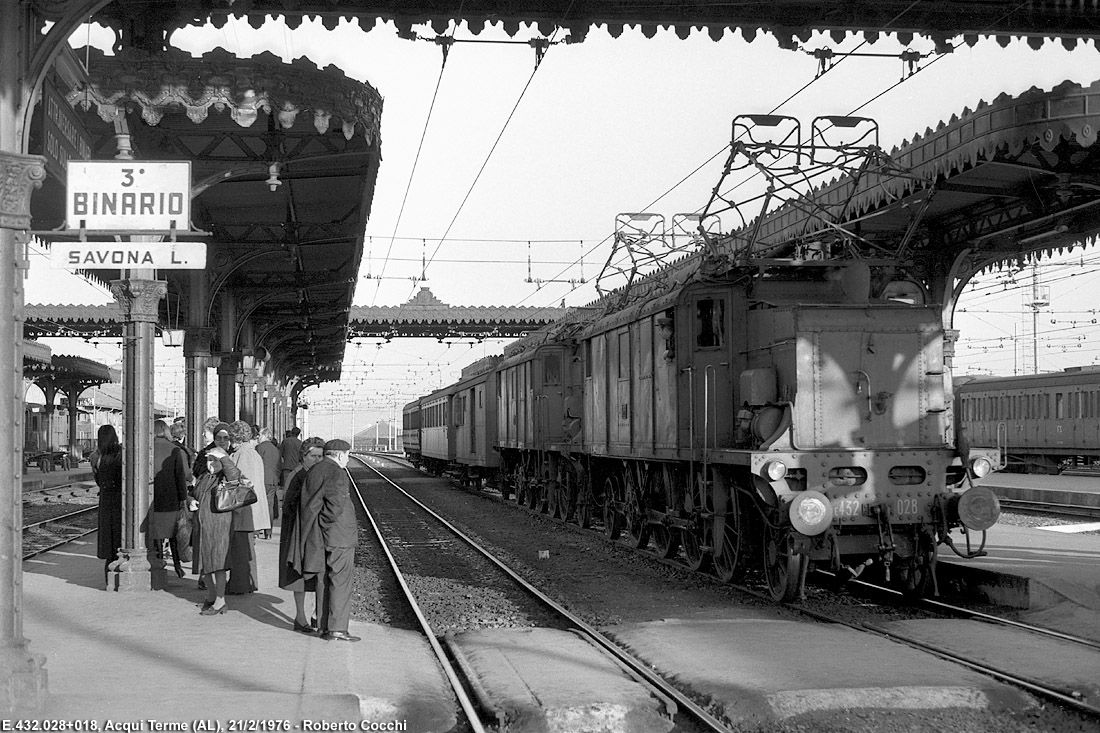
624,355
710,323
551,369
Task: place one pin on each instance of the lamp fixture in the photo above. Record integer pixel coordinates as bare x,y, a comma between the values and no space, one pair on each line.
273,181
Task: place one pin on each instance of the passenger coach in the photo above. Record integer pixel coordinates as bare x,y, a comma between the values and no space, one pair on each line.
1044,422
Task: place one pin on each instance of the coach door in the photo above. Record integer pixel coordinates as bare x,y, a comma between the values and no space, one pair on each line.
709,378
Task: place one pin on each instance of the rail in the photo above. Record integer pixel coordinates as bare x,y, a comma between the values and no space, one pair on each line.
635,667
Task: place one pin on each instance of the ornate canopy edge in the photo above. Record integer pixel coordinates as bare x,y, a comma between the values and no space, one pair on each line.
786,19
1066,113
156,82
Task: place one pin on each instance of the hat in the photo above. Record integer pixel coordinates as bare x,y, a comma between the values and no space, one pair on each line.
220,427
337,444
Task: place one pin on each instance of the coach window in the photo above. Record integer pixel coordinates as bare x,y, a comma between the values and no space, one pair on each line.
1059,406
710,319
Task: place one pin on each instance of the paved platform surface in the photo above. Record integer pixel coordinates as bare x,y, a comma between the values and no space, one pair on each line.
137,656
760,667
554,681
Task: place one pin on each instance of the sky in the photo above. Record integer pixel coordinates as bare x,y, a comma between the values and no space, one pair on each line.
497,172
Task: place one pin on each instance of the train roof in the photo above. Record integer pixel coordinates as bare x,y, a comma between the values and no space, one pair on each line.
1089,374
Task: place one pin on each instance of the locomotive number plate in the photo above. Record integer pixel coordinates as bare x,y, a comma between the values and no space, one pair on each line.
847,507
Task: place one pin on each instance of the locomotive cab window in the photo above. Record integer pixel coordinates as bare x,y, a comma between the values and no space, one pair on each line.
551,369
710,323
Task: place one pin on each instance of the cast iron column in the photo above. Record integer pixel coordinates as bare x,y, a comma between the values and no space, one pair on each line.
197,354
138,301
22,674
228,365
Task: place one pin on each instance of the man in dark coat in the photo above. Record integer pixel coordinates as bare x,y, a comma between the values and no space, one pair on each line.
329,536
289,453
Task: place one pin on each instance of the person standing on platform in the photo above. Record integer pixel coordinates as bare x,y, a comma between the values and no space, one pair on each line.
290,452
170,476
210,431
178,429
291,575
106,462
248,520
329,536
213,530
270,455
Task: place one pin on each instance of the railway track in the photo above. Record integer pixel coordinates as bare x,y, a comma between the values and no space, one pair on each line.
415,537
1067,511
48,534
903,616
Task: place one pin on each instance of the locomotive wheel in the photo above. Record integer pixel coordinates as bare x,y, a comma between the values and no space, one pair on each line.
727,562
666,540
914,575
553,499
635,523
782,567
586,507
612,520
698,558
567,494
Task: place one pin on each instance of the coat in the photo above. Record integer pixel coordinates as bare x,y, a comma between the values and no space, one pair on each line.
212,529
255,516
269,454
290,453
291,575
170,476
108,476
326,513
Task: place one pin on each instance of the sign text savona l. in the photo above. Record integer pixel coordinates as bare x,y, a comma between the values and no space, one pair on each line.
128,196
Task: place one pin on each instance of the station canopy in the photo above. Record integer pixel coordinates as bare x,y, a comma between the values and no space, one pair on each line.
284,159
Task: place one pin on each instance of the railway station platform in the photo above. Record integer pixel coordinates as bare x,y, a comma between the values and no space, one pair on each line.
33,479
130,657
1050,574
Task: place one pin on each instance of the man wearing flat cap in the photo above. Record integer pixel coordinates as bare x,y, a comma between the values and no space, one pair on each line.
329,536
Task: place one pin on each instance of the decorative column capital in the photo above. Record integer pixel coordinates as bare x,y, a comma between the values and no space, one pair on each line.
18,175
139,300
229,364
198,341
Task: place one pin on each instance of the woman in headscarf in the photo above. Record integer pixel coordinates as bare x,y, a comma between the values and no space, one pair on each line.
106,463
291,576
211,554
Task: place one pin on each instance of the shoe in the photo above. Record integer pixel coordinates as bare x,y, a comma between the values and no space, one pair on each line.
338,636
179,571
211,611
305,628
207,604
202,584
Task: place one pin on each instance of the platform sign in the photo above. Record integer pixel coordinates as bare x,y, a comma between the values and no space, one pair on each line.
128,195
128,255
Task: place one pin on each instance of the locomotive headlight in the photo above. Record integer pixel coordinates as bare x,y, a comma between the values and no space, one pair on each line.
811,512
980,467
774,470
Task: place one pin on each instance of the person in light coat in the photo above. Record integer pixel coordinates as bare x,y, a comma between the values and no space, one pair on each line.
250,520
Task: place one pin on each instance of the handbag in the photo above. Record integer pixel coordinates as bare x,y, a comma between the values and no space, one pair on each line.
229,496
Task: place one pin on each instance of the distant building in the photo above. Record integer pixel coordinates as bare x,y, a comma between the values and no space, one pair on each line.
378,437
